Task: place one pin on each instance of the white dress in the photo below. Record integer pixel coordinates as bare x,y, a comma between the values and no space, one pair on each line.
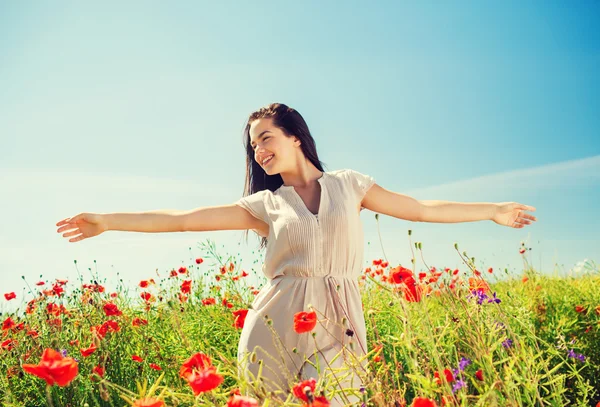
310,260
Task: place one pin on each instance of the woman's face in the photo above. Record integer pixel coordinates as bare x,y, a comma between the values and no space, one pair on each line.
268,140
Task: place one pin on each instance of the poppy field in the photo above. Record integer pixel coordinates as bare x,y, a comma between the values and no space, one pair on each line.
436,337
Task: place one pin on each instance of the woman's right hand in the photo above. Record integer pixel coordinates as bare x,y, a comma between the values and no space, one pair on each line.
85,225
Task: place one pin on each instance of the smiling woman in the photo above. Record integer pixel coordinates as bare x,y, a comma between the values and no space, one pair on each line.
309,222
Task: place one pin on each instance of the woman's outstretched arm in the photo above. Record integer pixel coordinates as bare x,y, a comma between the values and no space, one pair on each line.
211,218
511,214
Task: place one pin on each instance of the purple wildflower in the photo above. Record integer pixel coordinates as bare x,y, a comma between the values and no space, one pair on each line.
464,362
574,355
63,352
458,385
507,343
495,299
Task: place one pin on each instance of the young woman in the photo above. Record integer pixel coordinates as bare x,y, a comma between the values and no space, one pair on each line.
309,221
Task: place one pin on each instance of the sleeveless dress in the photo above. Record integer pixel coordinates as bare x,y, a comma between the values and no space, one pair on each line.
310,260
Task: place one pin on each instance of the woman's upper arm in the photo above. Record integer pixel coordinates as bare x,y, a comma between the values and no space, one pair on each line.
248,212
224,217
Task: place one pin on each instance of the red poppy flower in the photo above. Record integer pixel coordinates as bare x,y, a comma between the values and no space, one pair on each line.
199,260
154,366
305,321
149,402
205,380
186,286
10,296
143,284
198,361
580,309
479,375
209,301
400,274
53,368
478,284
40,283
320,401
423,402
139,321
112,309
146,296
87,352
173,273
8,344
240,318
448,375
99,370
136,358
8,324
241,401
298,389
182,270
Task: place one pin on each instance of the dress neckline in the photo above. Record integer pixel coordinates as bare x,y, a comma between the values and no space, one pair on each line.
293,190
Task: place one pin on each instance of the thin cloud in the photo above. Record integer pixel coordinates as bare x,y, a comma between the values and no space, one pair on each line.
584,171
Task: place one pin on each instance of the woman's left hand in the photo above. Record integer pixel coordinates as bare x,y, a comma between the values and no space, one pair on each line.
511,214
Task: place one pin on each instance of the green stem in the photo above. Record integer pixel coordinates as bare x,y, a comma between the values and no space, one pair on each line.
49,396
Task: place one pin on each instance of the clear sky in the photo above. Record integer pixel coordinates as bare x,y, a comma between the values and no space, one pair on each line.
125,107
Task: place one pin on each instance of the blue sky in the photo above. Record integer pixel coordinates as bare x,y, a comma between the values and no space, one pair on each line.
138,106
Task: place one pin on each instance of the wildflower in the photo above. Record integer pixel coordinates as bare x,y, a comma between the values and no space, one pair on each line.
143,284
423,402
464,362
478,284
53,368
39,283
87,352
99,370
199,260
136,358
305,321
447,375
479,375
579,356
139,321
186,287
458,385
112,309
507,343
580,309
200,374
494,299
8,344
209,301
146,296
240,318
149,402
319,401
8,324
10,296
300,389
182,270
154,366
241,401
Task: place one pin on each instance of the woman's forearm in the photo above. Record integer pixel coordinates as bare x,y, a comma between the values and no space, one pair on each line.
164,220
454,212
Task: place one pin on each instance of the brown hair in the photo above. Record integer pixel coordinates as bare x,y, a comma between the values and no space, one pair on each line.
291,123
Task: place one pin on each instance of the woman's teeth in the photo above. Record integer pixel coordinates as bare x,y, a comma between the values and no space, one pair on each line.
267,160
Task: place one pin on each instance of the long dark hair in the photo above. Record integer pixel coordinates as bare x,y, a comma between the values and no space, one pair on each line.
292,124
